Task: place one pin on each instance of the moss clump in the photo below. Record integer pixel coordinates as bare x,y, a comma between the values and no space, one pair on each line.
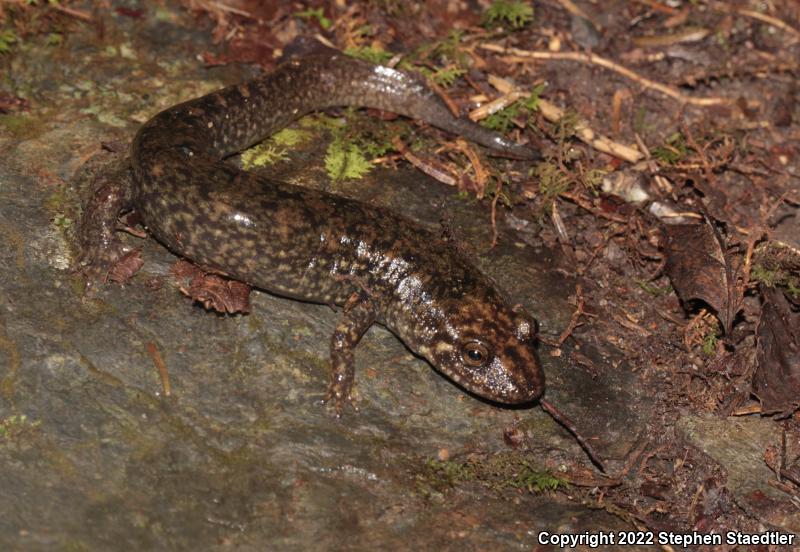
16,426
275,148
502,120
510,14
370,53
316,14
499,472
346,160
20,126
673,150
653,290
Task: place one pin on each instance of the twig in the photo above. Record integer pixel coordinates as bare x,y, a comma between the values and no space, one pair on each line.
481,176
581,202
496,105
573,322
764,18
558,223
593,59
658,6
554,114
230,9
448,101
701,152
78,14
567,423
747,410
427,168
494,211
570,6
152,350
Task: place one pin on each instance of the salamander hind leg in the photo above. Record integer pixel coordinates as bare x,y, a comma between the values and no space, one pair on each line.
358,316
103,255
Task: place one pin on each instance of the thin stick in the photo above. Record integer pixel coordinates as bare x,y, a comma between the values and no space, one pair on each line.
764,18
569,426
427,168
481,176
78,14
155,355
495,105
576,316
553,113
230,9
448,101
494,211
593,59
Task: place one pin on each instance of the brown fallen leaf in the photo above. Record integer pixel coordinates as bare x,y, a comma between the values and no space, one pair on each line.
214,292
776,381
699,268
124,269
10,103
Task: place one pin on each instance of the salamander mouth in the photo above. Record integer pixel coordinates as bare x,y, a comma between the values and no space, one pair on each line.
518,394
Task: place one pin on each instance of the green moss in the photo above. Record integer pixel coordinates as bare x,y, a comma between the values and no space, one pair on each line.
317,14
275,148
535,480
62,221
346,160
370,53
552,181
54,39
673,150
593,178
759,273
509,14
776,277
262,155
290,137
7,39
20,126
320,121
502,120
499,472
710,344
566,125
655,291
447,76
16,426
450,47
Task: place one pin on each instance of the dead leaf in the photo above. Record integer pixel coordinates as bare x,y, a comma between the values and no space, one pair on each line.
10,103
699,269
124,269
214,292
776,382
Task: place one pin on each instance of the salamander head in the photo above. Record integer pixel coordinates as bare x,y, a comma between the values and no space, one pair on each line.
487,347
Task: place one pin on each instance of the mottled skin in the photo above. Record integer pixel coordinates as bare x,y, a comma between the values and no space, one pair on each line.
314,246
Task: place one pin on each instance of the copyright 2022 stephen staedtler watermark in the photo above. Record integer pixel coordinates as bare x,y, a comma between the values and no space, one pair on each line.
596,539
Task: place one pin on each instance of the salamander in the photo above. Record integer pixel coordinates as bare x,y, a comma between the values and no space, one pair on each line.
312,245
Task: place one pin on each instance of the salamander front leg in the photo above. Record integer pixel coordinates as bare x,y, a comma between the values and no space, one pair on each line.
358,316
103,255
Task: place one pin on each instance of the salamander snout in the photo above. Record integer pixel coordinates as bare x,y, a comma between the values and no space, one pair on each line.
488,348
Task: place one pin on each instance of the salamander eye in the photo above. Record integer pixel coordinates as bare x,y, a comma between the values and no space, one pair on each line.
474,353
